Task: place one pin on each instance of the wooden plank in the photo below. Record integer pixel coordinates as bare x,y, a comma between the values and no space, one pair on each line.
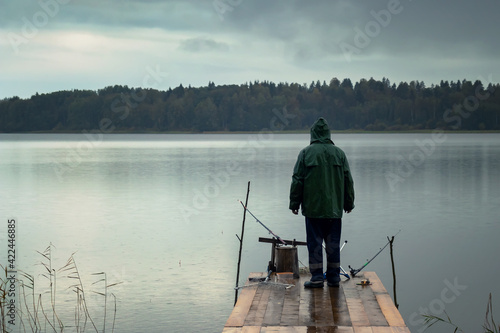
371,305
355,306
339,306
274,241
344,329
285,329
329,329
251,329
245,329
306,305
384,329
274,306
362,329
291,303
258,309
376,284
390,312
322,314
357,312
349,287
240,310
242,307
384,300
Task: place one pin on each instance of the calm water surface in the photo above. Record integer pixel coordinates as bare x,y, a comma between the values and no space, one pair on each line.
159,214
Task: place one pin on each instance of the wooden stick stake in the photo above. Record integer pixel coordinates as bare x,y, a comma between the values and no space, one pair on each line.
393,274
241,246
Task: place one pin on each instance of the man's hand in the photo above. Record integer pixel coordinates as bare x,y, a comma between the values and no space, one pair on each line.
348,211
295,211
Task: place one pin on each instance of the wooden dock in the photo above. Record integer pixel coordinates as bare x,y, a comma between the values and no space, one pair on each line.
351,308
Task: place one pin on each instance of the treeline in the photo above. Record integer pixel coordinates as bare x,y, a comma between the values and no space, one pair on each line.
366,105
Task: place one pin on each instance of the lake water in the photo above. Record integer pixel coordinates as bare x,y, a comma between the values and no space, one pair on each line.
159,214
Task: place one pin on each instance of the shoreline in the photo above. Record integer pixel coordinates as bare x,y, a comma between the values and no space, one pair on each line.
274,132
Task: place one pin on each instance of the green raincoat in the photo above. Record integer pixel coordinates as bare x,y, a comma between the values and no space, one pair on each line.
322,183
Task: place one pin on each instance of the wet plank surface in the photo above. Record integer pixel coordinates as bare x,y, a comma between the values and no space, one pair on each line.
351,308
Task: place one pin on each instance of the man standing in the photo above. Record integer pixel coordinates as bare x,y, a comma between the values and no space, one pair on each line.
322,185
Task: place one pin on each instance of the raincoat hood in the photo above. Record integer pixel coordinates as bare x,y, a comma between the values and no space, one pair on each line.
322,184
320,132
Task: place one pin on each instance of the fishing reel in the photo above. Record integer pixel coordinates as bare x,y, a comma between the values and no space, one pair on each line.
364,282
353,271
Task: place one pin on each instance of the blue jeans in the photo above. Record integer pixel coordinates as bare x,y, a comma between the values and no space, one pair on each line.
317,231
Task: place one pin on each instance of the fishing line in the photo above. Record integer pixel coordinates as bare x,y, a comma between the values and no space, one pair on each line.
269,230
356,271
262,224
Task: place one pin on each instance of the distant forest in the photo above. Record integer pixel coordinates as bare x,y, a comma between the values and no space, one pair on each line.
369,105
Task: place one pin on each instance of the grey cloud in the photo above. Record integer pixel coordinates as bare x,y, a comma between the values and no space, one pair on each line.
438,27
166,14
302,33
286,20
202,44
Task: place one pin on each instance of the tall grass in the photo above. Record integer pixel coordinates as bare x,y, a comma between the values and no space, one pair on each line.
489,325
3,298
39,312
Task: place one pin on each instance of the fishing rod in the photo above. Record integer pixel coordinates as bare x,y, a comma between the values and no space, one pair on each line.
356,271
343,272
262,224
343,246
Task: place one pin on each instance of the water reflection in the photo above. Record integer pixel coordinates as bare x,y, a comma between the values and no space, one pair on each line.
136,206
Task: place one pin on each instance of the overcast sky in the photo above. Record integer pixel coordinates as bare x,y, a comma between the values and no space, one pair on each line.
52,45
